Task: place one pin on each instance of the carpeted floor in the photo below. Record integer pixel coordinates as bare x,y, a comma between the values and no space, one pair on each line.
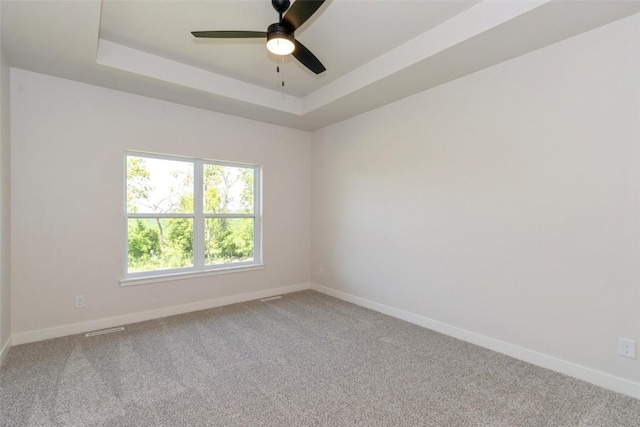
304,360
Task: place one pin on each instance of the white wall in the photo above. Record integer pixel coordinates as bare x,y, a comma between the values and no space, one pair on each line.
5,258
504,203
67,193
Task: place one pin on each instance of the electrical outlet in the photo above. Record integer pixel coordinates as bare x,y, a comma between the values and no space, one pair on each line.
79,301
321,271
627,348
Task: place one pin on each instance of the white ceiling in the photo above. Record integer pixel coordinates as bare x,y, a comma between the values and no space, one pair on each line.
375,51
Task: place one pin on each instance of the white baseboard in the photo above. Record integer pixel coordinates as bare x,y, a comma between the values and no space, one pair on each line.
110,322
5,349
611,382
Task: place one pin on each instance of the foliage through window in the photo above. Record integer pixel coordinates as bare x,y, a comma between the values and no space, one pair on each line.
189,215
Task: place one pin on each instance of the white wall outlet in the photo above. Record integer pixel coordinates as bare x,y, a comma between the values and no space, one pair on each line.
321,271
627,348
79,301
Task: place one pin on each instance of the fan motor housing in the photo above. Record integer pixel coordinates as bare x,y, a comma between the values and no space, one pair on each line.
280,31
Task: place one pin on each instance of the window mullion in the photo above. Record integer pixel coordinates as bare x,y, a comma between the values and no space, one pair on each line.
198,207
229,215
159,215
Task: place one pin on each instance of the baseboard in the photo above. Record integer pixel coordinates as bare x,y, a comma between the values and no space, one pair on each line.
611,382
5,349
92,325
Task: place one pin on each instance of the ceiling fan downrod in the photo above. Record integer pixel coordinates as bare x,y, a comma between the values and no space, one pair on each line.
280,6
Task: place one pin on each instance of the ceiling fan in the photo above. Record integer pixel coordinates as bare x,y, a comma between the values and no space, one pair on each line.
280,35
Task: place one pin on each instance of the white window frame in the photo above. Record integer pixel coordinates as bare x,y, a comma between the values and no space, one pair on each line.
199,267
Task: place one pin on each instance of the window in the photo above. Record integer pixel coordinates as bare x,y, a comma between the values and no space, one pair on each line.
189,215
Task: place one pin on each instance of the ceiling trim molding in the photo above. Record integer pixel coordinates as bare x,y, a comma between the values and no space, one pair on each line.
468,24
125,58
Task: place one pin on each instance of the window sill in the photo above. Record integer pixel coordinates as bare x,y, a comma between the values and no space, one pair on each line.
145,280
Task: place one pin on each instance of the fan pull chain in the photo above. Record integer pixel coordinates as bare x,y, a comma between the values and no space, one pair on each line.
281,75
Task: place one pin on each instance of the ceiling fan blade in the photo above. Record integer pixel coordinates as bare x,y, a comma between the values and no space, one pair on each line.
229,34
299,12
306,58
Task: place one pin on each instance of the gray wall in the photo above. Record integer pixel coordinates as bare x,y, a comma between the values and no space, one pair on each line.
5,222
504,204
68,142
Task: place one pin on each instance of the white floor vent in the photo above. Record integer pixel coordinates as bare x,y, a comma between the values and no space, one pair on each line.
271,298
104,331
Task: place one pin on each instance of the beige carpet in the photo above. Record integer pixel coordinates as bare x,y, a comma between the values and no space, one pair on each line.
304,360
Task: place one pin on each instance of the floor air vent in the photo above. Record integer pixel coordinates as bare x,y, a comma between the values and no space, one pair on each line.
271,298
104,331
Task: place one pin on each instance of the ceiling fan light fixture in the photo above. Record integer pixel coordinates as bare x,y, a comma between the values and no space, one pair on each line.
280,42
280,45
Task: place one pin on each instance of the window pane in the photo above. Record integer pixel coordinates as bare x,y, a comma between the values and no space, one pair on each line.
159,243
227,189
228,240
159,186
